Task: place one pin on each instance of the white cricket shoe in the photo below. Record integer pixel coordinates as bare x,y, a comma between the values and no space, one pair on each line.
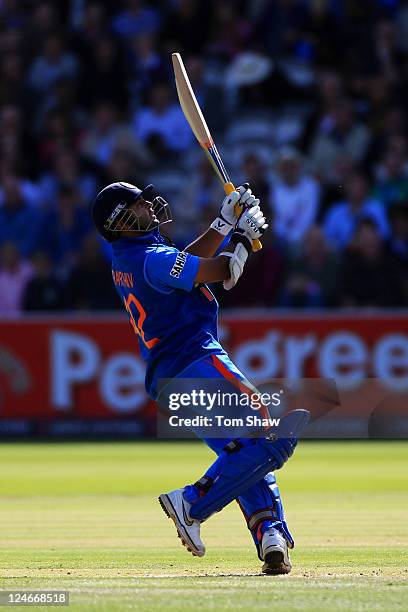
274,553
188,529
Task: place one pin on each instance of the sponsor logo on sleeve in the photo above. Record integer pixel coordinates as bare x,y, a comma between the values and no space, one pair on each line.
179,264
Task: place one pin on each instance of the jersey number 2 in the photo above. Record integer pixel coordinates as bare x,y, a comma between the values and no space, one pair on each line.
138,326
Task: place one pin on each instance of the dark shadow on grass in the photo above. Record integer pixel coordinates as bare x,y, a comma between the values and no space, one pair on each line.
194,576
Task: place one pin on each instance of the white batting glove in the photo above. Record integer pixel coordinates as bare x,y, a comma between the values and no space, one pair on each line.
227,218
247,198
252,223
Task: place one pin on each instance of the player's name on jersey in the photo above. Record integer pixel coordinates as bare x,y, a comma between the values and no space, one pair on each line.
222,421
123,279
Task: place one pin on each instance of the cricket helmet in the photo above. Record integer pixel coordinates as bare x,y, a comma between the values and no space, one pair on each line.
111,212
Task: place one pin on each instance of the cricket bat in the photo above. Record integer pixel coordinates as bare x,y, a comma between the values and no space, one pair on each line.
194,116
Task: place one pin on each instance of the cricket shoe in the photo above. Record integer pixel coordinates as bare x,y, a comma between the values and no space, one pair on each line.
188,529
274,553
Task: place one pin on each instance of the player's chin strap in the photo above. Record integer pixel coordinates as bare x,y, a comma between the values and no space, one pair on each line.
237,258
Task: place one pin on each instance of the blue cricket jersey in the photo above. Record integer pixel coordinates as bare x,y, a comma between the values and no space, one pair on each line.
175,321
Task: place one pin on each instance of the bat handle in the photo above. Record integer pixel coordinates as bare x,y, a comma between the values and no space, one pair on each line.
229,188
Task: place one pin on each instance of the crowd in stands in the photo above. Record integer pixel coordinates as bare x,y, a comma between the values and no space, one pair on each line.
308,101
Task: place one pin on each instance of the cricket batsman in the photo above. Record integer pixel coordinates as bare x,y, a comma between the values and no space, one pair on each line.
174,314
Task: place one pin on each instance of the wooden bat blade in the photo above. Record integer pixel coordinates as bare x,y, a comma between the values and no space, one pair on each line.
189,104
195,118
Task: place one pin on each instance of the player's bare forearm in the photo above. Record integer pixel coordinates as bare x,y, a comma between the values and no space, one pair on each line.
213,269
206,245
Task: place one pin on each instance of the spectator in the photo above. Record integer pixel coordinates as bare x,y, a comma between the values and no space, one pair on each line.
329,88
44,21
264,275
398,244
15,273
101,136
43,292
162,125
384,57
135,19
65,227
19,222
367,275
333,189
340,135
60,133
312,274
62,98
91,27
342,219
392,184
393,124
13,141
54,63
29,191
277,25
67,171
321,36
255,173
11,13
379,94
294,197
202,193
145,63
106,135
122,166
104,75
186,25
203,189
12,88
90,285
398,240
11,40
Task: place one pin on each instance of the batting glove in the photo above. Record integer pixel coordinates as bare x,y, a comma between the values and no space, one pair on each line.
252,222
247,198
227,218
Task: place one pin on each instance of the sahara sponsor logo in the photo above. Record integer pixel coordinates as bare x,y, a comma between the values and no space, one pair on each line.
179,264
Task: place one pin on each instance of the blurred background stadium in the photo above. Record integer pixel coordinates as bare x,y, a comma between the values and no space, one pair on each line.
307,99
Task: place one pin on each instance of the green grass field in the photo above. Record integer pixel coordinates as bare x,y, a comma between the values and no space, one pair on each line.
84,518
